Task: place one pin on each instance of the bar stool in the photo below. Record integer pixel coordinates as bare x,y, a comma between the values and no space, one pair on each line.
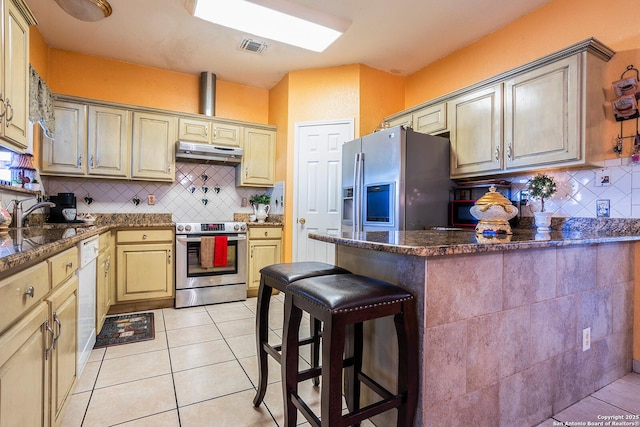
279,276
340,301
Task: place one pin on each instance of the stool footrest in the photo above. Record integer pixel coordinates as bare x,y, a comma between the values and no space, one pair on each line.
371,410
305,410
307,374
373,385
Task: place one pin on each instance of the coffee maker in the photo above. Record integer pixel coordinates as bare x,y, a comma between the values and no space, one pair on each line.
62,201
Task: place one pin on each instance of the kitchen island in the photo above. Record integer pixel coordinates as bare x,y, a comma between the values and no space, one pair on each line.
501,319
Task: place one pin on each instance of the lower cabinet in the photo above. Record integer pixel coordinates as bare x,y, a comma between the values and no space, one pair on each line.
105,279
265,248
63,351
38,352
23,370
144,265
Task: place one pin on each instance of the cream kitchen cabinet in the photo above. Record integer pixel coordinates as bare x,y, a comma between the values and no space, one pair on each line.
14,78
265,248
475,124
144,265
209,132
24,394
63,304
38,351
154,138
109,142
430,120
91,141
257,168
543,116
105,279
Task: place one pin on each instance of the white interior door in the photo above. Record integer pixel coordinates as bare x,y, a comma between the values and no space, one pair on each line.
317,182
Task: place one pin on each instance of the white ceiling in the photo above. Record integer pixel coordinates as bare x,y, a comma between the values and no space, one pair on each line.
398,36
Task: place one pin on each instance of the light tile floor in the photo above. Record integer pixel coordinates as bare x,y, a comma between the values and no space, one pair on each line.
201,371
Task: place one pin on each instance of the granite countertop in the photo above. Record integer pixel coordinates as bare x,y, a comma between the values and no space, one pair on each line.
443,241
28,245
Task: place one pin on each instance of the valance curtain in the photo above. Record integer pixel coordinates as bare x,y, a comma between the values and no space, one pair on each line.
41,103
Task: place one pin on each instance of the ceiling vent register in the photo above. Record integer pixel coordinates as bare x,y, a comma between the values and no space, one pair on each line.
252,46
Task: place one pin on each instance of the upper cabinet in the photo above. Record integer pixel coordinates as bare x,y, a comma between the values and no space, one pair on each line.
257,168
209,132
96,139
544,114
14,77
88,141
476,131
154,137
430,120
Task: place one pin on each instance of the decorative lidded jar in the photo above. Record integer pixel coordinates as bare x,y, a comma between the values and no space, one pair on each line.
493,212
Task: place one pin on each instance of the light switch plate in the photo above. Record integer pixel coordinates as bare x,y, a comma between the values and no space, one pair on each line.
603,179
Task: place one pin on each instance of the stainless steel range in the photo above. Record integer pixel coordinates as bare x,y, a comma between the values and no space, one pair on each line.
198,283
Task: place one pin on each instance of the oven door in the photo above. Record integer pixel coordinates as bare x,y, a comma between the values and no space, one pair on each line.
190,274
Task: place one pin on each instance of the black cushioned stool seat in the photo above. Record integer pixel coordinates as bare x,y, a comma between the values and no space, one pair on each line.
279,276
340,301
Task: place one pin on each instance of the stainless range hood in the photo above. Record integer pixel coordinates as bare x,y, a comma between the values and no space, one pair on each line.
207,153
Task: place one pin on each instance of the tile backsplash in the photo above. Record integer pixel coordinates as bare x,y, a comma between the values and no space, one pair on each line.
192,197
577,191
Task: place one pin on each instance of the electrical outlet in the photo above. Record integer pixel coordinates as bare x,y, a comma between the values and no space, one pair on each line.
586,339
151,199
524,197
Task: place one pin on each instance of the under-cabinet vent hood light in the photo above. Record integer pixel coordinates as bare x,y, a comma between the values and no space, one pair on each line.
207,153
252,46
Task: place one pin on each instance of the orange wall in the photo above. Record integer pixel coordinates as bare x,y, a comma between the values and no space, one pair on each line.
558,24
94,77
381,94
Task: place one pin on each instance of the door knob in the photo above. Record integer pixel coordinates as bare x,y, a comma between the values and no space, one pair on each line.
302,221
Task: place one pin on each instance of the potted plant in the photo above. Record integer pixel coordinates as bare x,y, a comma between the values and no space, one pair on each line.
542,187
261,206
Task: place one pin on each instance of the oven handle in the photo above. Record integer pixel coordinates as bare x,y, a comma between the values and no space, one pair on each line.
197,239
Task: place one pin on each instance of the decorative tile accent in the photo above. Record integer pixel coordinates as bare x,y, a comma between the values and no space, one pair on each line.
116,196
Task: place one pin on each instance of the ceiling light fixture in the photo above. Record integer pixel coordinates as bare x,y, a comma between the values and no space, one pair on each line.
86,10
280,20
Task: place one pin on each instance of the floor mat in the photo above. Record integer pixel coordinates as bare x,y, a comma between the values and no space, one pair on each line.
125,329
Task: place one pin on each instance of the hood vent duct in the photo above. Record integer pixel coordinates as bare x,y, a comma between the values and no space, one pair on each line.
207,93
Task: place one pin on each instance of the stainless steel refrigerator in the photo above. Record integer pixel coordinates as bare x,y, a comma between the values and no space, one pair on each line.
395,179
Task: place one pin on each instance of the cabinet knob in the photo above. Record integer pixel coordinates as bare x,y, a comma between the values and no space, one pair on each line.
302,221
4,108
144,237
497,154
9,109
69,265
30,291
509,152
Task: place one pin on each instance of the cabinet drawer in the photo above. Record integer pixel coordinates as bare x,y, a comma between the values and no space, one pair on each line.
63,266
103,241
14,301
265,232
141,236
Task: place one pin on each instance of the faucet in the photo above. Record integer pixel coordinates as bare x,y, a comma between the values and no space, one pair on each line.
20,216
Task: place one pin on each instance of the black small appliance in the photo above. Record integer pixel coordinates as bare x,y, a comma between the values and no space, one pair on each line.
62,201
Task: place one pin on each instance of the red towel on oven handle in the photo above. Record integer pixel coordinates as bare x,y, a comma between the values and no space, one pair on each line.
220,251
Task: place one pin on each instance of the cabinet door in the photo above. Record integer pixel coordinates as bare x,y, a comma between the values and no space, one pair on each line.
261,253
64,371
476,132
145,271
194,130
406,120
431,119
154,136
109,140
542,125
23,371
258,159
66,153
103,287
224,134
16,78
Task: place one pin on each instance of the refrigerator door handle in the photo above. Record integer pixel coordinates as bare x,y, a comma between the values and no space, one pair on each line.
357,191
